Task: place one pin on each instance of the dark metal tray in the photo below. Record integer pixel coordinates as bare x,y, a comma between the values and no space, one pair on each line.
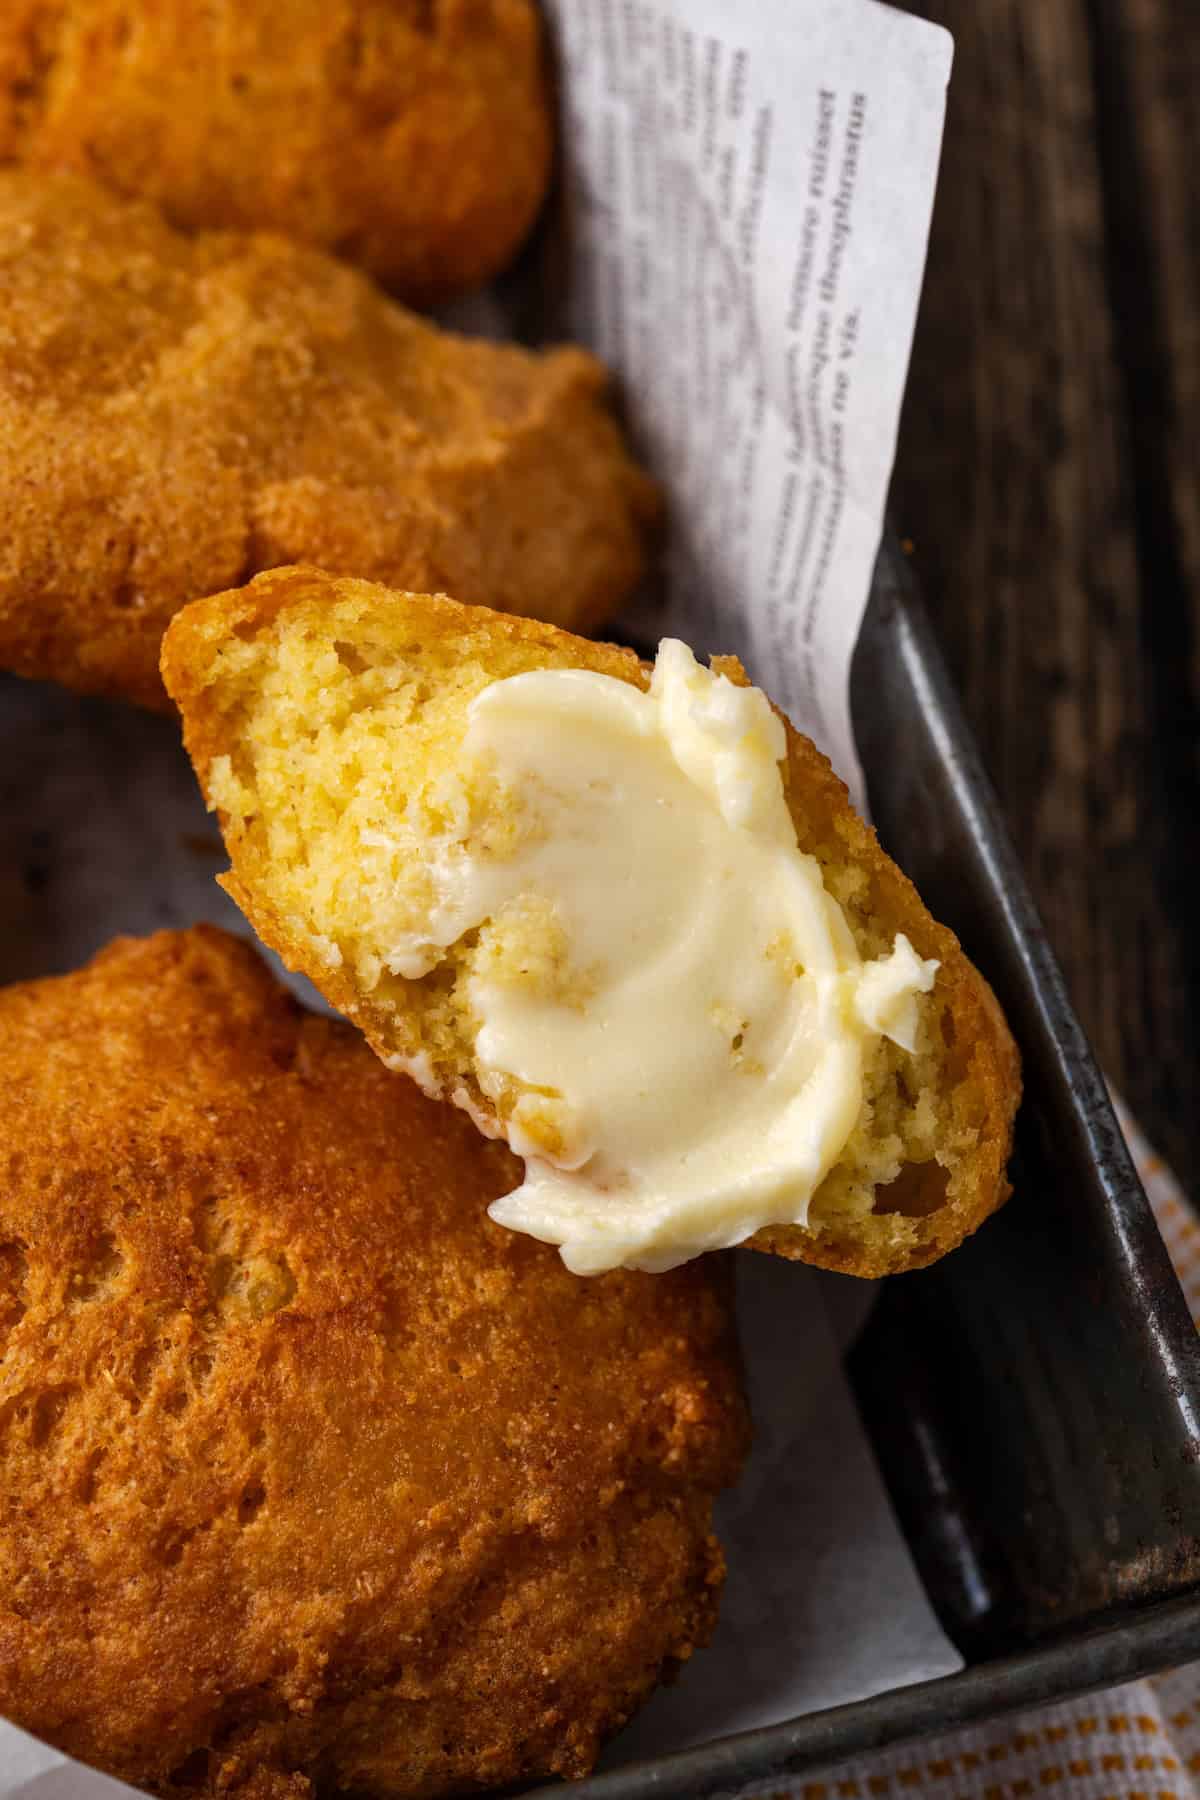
1033,1400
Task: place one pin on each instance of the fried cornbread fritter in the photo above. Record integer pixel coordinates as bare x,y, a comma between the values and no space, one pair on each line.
325,719
177,413
411,137
308,1472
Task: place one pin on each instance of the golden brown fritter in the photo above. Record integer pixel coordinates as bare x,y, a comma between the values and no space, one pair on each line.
312,705
411,136
307,1470
177,413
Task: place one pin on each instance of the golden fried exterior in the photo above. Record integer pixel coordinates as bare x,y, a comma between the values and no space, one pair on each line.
179,412
307,1472
264,702
411,136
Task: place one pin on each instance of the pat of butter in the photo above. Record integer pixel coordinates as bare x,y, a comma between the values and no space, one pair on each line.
677,997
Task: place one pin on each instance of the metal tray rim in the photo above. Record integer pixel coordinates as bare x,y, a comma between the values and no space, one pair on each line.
1143,1642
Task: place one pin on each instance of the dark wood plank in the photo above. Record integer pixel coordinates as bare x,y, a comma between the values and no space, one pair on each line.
1018,483
1146,66
1148,80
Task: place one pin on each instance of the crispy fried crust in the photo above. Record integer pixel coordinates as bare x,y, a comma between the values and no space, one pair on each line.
411,137
178,412
306,1469
935,1203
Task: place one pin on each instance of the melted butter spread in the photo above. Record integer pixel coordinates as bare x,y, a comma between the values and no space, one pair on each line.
662,978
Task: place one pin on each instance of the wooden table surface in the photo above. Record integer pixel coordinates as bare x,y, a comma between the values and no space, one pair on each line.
1049,478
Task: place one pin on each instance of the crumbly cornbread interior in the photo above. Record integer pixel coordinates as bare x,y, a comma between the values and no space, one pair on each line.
325,718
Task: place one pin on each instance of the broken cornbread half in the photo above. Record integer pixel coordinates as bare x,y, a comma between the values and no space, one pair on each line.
625,917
